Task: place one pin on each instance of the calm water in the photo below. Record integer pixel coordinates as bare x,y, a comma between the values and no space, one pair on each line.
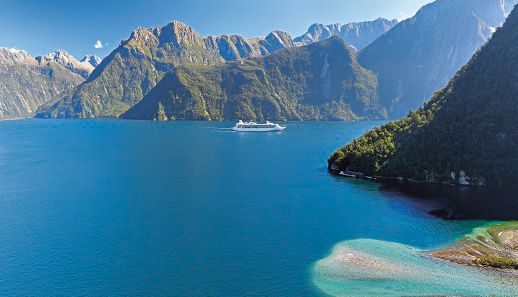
186,209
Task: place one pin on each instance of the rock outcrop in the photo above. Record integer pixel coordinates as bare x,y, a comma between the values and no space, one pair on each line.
357,34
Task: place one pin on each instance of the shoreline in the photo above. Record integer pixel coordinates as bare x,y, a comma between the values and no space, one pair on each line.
399,180
384,268
493,246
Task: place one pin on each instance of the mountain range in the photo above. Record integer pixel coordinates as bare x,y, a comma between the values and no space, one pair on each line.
83,67
411,60
133,69
466,134
319,81
27,83
408,60
421,54
357,34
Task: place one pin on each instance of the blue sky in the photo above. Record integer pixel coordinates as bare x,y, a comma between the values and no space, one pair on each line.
43,26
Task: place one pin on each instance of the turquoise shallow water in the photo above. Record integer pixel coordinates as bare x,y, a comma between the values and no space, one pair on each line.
106,207
366,267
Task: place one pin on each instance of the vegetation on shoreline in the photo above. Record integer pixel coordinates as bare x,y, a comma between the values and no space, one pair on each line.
494,245
465,134
497,262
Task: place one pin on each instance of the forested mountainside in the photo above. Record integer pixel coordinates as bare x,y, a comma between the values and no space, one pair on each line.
465,134
411,61
26,83
421,54
140,62
319,81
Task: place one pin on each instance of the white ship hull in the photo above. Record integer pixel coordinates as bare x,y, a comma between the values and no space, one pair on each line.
254,127
258,129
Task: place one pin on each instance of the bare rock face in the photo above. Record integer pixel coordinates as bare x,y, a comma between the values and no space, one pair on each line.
83,68
421,54
27,83
358,34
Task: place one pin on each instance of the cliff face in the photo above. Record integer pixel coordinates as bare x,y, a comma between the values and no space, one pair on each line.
61,57
27,83
357,35
234,47
421,54
315,82
465,134
140,62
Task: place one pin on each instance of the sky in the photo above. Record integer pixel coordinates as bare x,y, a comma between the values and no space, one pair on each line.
97,27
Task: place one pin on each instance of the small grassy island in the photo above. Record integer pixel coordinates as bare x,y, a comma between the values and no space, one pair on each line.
466,134
494,246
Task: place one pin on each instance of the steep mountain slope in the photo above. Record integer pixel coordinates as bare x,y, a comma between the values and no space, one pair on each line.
27,83
419,55
467,133
83,68
359,35
139,63
319,81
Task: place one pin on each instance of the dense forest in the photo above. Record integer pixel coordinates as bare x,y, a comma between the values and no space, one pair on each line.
467,132
320,81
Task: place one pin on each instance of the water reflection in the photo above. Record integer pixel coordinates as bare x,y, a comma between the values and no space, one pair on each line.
453,202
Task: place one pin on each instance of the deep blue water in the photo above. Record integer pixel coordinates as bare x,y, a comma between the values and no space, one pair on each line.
106,207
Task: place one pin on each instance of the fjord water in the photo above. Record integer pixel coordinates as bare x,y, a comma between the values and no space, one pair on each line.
106,207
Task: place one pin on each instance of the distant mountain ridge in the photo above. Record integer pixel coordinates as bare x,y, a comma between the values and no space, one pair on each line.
83,67
411,61
319,81
27,83
421,54
92,60
466,134
357,34
140,62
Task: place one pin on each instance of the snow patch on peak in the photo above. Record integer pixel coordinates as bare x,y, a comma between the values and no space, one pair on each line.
15,51
92,60
67,61
13,56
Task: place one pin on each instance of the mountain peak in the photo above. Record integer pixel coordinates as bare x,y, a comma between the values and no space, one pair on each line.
358,34
179,24
92,60
67,61
178,33
12,55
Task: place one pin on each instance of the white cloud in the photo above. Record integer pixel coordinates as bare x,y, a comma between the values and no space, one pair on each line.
98,44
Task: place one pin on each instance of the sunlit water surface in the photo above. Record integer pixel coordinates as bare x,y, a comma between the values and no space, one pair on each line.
106,207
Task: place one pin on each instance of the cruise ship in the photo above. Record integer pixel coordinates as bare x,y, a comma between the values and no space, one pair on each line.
255,127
